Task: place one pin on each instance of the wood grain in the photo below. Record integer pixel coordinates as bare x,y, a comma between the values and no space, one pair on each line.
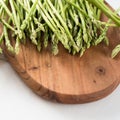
69,79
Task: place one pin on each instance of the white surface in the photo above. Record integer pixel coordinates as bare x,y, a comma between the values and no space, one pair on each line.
17,102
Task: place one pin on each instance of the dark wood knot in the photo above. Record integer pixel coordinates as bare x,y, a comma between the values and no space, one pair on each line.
100,70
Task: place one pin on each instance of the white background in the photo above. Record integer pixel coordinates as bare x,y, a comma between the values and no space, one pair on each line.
17,102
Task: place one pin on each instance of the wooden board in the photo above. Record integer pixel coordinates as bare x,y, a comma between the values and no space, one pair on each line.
70,79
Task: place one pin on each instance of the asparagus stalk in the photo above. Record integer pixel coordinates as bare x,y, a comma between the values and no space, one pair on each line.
74,23
106,10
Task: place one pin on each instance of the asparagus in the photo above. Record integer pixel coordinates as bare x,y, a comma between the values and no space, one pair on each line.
74,23
101,5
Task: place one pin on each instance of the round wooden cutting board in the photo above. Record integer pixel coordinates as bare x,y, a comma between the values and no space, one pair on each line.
69,79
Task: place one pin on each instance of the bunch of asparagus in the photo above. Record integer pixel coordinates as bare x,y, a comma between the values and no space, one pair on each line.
73,23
